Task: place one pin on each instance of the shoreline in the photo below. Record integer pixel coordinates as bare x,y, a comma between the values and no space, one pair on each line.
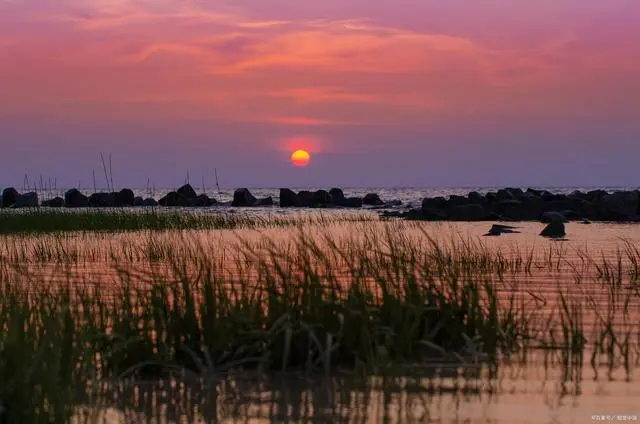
507,204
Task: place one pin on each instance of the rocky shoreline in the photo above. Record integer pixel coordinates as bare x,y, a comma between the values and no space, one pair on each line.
508,204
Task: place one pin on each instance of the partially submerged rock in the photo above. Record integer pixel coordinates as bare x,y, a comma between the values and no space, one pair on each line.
554,229
497,229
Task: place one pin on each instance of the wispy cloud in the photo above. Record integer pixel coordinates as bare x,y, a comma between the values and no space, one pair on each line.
183,52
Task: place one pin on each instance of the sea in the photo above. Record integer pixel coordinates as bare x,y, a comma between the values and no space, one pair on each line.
544,390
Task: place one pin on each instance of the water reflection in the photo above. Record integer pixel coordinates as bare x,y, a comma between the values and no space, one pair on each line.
518,394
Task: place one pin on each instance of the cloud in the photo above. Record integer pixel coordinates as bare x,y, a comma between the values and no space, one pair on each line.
229,63
303,121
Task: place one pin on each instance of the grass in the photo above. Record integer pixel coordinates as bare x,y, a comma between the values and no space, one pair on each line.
381,299
34,221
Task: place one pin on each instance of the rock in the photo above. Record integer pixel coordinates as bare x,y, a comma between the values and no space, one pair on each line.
138,201
102,200
352,202
187,192
56,202
321,198
518,210
505,194
554,230
305,198
27,200
455,200
149,202
170,199
533,192
551,216
288,198
9,196
392,203
242,197
372,199
475,197
125,197
434,203
267,201
557,205
594,195
203,200
497,229
619,205
393,214
470,212
74,199
430,214
337,196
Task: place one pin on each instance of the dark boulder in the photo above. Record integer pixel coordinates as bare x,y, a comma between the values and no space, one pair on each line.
475,197
288,198
321,198
620,205
187,192
491,197
138,201
27,200
9,196
516,210
149,202
352,202
125,197
242,197
552,216
434,203
470,212
170,199
73,198
337,196
395,214
305,198
56,202
267,201
372,199
594,195
203,200
427,214
558,205
505,194
554,229
455,200
102,200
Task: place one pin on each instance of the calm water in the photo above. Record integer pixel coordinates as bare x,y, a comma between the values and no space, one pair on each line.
538,391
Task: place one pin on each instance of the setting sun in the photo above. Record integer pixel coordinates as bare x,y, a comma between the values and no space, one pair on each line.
300,158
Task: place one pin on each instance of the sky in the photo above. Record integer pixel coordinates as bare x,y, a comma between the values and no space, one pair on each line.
383,93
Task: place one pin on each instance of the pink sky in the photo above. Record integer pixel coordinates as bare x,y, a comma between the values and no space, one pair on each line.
383,92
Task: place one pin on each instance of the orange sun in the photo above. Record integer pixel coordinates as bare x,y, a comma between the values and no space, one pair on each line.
300,158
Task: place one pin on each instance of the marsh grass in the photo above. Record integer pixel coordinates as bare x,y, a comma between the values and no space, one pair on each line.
39,220
381,299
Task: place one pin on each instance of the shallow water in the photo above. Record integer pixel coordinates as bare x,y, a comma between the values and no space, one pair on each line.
540,391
